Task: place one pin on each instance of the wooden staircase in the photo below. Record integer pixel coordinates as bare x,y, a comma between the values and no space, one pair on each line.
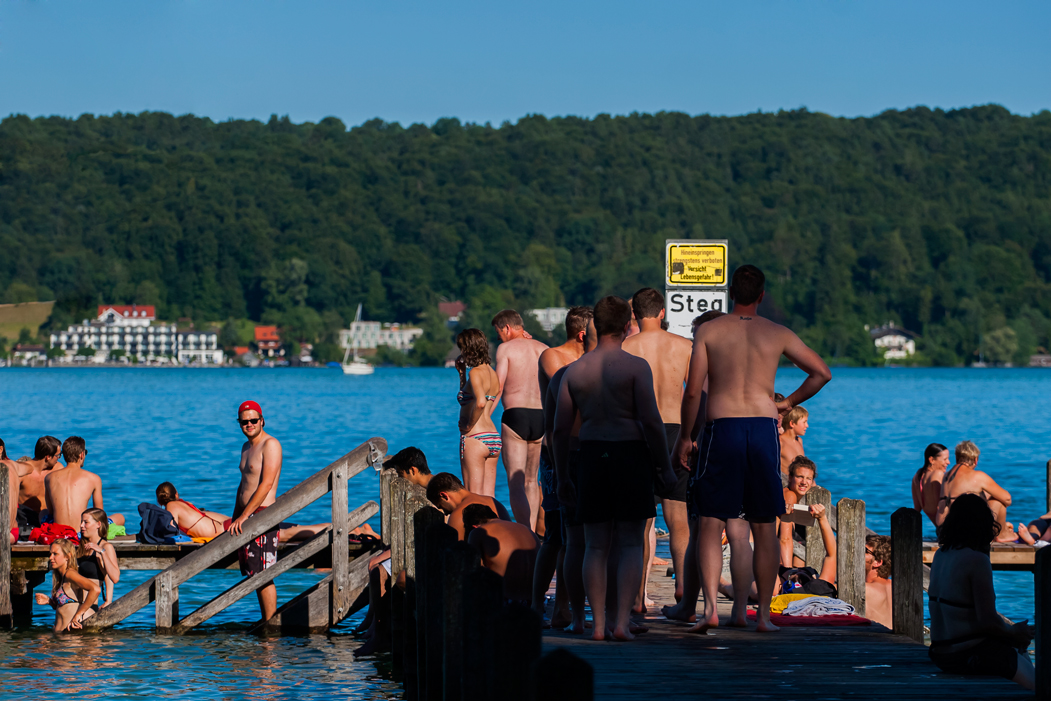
318,608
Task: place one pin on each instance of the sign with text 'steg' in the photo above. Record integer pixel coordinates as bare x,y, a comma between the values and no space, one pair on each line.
697,280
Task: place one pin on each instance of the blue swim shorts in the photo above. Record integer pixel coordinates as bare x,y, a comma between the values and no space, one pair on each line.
738,472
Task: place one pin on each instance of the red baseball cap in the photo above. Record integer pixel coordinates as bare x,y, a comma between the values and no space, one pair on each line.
249,406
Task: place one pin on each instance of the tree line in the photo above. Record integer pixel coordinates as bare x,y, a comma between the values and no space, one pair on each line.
938,221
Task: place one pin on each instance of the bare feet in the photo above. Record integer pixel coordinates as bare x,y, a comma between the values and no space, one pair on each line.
623,635
738,616
705,624
660,562
574,629
675,613
1025,535
637,629
1008,535
766,627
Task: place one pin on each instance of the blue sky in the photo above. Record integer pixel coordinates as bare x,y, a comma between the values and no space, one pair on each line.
488,61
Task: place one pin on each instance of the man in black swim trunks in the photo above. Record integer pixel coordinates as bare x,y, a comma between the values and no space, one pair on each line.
622,446
737,479
522,424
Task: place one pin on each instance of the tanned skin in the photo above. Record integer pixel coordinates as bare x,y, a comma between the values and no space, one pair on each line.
67,492
453,504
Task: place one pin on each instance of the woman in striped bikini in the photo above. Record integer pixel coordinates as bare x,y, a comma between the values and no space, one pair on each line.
479,440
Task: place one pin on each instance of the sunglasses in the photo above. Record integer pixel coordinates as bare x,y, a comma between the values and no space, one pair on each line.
245,422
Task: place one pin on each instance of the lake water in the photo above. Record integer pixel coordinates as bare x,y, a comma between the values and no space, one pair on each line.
867,433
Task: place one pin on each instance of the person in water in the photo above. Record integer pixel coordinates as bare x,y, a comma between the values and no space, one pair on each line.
96,557
968,636
480,442
927,482
72,594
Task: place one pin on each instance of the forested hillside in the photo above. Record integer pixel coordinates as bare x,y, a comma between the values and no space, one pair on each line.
939,221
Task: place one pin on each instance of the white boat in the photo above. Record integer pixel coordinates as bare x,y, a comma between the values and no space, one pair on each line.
357,366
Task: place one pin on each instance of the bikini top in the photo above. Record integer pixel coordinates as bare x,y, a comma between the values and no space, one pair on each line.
61,598
466,397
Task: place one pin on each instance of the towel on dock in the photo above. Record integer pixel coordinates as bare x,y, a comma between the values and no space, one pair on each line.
48,533
783,621
819,606
157,524
780,602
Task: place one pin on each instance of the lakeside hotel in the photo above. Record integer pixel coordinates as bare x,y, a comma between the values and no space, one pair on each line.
130,328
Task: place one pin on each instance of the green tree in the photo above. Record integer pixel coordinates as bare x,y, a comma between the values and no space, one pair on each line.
19,292
435,342
999,346
230,334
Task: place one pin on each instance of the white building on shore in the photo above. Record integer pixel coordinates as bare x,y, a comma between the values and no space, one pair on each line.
895,342
550,317
130,329
372,334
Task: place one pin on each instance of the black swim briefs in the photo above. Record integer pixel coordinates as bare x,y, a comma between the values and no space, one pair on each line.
738,472
548,483
681,473
615,482
527,423
569,512
989,658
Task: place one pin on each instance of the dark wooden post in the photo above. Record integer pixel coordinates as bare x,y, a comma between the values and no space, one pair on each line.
386,477
907,572
518,646
414,502
483,594
815,546
1042,577
6,617
422,520
439,538
1047,483
850,553
398,489
458,561
562,676
340,590
167,600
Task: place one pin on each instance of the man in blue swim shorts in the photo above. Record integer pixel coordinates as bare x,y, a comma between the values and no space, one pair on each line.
736,482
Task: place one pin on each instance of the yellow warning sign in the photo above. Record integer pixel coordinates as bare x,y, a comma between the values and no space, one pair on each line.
696,264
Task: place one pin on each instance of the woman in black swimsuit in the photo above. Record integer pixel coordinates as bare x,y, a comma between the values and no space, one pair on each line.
968,636
96,558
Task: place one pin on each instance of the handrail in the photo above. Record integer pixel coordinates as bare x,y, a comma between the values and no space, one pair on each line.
302,495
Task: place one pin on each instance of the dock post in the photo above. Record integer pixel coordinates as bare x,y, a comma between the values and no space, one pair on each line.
850,553
518,646
1042,580
398,490
458,561
562,676
815,546
6,614
438,539
166,594
483,599
422,520
386,477
1047,483
415,501
907,572
340,600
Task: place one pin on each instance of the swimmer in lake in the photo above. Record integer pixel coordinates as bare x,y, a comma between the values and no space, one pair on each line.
72,594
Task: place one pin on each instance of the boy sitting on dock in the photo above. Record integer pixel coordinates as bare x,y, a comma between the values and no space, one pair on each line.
446,491
794,425
966,478
68,491
507,548
31,474
801,475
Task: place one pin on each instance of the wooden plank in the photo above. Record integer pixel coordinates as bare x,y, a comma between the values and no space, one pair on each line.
386,477
341,527
907,572
302,495
167,595
398,488
850,553
422,521
1042,595
1047,484
6,618
414,502
815,546
457,563
310,611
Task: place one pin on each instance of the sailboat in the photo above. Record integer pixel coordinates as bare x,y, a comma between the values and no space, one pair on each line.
357,366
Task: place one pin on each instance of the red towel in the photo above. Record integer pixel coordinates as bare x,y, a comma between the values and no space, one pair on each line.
781,620
48,533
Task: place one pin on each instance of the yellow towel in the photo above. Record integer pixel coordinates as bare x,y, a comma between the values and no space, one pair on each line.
780,602
205,540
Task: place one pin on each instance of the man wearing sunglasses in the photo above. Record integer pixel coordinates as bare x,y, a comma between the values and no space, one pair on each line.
260,470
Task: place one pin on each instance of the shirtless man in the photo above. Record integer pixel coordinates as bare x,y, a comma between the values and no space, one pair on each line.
965,479
669,358
31,474
801,475
507,548
522,423
623,449
67,491
551,557
793,428
411,464
260,469
447,492
737,483
877,586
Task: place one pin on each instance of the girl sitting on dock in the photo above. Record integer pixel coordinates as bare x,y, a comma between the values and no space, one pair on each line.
968,636
96,558
72,594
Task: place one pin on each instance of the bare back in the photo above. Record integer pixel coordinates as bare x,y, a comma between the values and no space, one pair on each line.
31,490
508,549
253,460
456,517
516,368
67,493
603,387
668,356
742,356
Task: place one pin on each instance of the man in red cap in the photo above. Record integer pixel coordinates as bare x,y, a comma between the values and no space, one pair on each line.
260,470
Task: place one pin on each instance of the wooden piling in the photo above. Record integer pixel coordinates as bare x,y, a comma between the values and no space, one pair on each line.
815,546
458,561
167,601
340,589
1042,597
438,538
6,613
518,646
422,520
415,501
1047,484
562,676
850,553
483,597
907,572
398,489
386,477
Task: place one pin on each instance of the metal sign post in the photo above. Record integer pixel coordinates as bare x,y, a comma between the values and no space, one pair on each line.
697,280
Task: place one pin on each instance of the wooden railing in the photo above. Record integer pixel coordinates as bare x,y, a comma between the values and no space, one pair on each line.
323,605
